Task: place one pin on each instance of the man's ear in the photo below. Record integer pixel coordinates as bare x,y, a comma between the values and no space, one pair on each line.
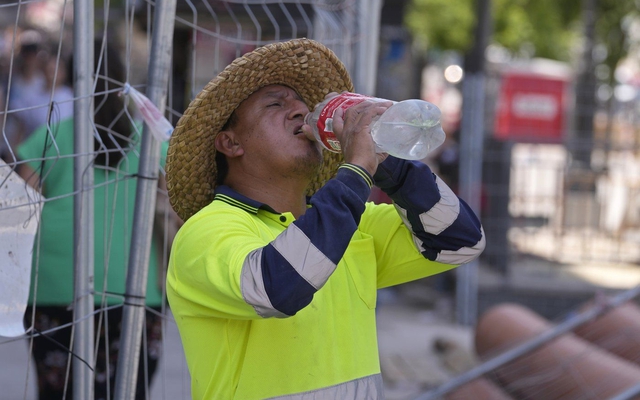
227,143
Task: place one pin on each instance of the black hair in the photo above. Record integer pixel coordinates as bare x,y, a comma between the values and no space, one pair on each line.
223,168
113,126
29,48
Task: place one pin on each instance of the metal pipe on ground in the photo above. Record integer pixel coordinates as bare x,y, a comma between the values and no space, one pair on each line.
532,344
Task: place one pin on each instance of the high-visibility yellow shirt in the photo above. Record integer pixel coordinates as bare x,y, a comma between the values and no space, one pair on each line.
270,306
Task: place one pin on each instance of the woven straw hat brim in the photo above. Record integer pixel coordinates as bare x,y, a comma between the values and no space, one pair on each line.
308,67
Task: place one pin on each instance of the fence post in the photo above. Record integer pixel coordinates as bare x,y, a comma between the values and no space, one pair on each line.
471,142
366,67
134,299
83,207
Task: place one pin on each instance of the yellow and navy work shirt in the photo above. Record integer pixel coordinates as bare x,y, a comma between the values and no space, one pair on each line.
269,306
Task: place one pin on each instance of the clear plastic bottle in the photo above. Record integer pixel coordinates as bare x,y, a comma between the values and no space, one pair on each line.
409,129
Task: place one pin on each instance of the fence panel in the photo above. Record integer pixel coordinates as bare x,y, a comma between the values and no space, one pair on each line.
37,97
557,231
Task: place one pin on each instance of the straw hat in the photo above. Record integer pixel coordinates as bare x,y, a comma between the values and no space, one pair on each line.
306,66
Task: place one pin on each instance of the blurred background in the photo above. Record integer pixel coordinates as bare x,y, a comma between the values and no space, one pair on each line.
540,102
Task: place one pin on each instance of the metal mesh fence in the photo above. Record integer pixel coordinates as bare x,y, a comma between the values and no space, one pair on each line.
558,202
40,41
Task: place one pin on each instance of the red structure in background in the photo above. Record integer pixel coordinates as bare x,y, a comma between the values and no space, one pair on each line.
531,107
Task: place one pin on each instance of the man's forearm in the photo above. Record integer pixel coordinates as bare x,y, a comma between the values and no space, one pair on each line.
444,226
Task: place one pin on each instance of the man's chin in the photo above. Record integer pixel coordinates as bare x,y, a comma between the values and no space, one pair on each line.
318,160
316,155
310,165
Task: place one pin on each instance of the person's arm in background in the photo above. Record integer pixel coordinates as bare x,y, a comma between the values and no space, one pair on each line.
29,175
165,226
444,227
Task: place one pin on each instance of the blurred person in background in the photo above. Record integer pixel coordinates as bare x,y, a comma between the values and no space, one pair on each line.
26,78
47,103
27,74
116,144
447,159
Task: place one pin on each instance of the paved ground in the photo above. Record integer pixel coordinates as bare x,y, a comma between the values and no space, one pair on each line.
171,381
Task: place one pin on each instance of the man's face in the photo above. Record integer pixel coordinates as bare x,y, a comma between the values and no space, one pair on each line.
269,126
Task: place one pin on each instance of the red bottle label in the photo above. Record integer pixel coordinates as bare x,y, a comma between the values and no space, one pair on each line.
325,120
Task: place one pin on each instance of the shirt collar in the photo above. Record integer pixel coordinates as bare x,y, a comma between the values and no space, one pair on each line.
231,197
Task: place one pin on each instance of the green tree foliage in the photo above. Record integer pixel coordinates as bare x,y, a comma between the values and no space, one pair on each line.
541,28
613,18
442,24
544,28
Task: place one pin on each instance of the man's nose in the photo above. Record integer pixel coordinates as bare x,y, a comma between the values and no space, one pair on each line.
298,110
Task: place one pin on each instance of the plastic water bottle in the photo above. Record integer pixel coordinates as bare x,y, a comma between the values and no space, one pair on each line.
409,129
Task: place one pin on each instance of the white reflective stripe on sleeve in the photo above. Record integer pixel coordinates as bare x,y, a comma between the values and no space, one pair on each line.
367,388
252,286
443,213
312,265
462,255
403,216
